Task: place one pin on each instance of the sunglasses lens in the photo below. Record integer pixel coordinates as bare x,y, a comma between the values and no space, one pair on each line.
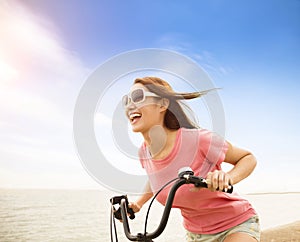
125,100
137,95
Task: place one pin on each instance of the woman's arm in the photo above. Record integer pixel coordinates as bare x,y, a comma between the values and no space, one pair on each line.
138,204
243,163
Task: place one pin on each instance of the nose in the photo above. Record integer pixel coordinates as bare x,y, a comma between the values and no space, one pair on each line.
130,106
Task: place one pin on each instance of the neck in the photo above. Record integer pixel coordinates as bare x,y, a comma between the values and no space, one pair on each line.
159,141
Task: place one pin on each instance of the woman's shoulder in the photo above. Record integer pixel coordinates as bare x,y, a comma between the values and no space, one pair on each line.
202,135
202,131
195,131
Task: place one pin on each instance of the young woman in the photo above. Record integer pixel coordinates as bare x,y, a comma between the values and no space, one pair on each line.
173,141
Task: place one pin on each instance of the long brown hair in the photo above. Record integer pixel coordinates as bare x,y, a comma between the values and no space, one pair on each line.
175,116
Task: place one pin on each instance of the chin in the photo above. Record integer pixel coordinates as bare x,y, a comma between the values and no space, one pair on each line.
137,129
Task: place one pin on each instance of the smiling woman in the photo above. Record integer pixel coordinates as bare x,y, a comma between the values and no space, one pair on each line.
173,141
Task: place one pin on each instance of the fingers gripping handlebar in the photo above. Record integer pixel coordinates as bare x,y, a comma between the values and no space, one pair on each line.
188,174
117,211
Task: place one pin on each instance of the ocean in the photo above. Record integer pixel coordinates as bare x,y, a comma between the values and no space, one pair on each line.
84,215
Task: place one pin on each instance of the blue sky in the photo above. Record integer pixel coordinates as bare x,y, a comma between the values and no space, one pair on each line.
47,49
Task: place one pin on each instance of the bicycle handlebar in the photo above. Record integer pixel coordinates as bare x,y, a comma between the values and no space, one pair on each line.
184,177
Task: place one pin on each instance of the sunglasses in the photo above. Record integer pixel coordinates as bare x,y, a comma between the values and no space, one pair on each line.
136,96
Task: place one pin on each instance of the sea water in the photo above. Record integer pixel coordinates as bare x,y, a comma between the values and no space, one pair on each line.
84,215
65,215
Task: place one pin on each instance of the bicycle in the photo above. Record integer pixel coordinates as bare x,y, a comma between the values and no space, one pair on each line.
185,176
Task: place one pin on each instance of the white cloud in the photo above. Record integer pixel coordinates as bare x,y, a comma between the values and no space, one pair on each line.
7,72
30,43
39,82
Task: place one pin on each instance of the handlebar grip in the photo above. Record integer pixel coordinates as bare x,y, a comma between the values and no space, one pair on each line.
201,182
117,212
229,190
131,213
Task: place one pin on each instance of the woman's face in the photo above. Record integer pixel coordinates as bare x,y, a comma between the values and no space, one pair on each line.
144,115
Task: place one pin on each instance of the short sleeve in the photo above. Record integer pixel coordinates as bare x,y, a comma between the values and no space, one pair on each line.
213,149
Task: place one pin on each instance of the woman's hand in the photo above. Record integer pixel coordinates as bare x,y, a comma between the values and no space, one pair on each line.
135,206
218,180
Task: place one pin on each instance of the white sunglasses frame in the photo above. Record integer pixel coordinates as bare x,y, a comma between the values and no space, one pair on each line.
145,94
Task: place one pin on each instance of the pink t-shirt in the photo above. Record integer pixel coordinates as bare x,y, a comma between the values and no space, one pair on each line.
204,212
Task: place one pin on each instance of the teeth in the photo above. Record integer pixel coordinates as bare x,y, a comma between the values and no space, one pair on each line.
134,115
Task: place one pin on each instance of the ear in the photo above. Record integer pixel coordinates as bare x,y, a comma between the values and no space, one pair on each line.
164,104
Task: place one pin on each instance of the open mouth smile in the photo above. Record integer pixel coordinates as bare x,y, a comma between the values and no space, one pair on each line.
134,117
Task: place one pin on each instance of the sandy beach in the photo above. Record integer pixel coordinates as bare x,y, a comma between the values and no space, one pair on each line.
279,216
285,233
